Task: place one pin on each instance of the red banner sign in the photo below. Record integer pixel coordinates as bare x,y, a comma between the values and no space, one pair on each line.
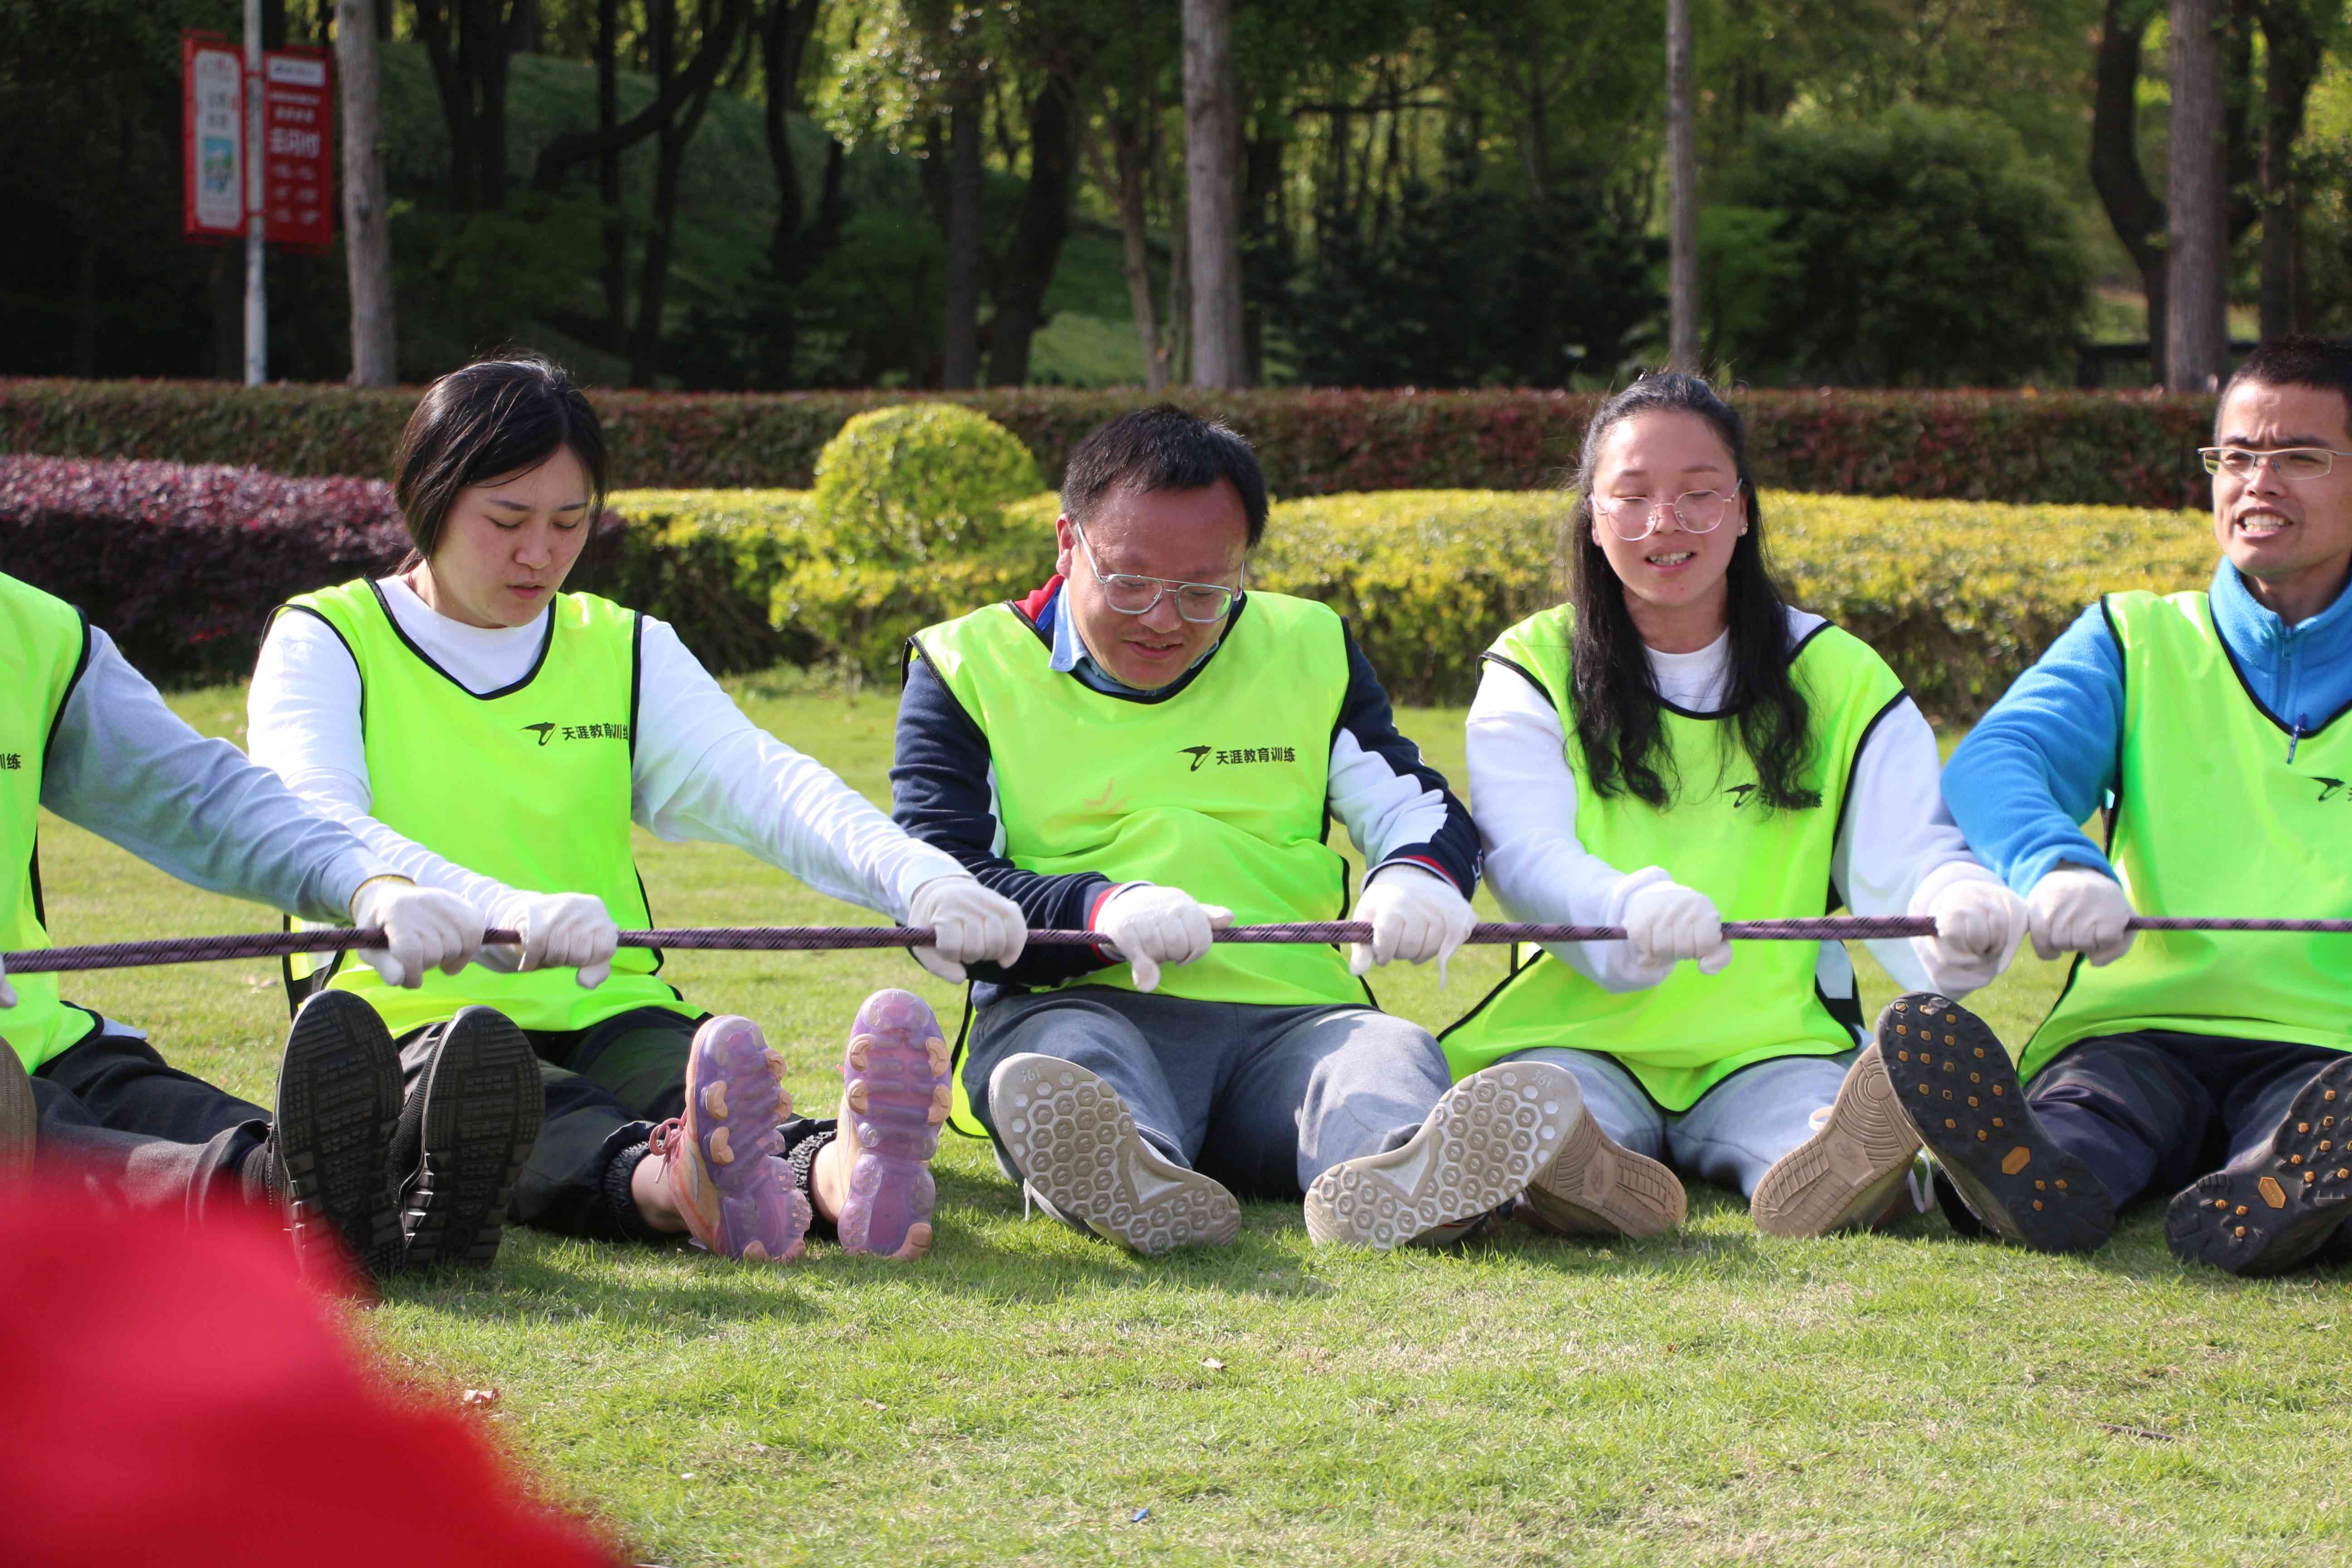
211,117
298,120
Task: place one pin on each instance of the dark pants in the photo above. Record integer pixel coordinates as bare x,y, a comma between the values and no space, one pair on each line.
606,1085
151,1135
2156,1109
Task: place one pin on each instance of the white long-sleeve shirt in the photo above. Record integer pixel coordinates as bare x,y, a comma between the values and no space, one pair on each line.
1896,850
700,770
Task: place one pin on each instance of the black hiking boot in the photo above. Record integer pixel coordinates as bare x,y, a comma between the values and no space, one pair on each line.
2281,1209
463,1135
1961,1092
327,1152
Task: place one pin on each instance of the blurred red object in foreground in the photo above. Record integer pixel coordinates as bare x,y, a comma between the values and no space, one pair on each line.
174,1395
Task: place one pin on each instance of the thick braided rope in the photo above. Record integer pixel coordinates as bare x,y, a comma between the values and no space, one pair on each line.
841,939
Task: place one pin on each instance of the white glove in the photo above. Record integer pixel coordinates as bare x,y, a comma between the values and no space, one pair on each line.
1666,922
560,930
1979,923
7,995
971,923
2076,909
1150,925
1415,915
422,928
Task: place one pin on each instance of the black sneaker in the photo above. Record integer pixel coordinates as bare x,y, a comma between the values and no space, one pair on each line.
463,1135
329,1146
1960,1091
2281,1211
18,1115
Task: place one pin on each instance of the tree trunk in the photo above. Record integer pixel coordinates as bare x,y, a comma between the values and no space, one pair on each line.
784,44
2196,333
1043,225
2132,207
608,175
2293,40
670,145
367,227
1123,179
85,336
1682,157
1212,146
960,340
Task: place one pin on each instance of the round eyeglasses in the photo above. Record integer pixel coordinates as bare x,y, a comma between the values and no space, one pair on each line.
1132,595
1634,517
2287,462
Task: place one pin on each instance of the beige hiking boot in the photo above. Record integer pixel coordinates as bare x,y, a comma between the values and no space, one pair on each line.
1853,1168
1600,1187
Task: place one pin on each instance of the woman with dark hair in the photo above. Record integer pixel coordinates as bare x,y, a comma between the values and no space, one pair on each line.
486,732
1675,746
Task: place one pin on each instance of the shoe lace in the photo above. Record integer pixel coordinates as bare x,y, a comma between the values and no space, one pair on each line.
663,1139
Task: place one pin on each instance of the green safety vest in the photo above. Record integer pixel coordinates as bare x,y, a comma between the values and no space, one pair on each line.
2219,809
44,647
1687,1033
1220,789
528,784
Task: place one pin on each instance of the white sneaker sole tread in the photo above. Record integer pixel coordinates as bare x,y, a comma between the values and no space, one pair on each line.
1075,1142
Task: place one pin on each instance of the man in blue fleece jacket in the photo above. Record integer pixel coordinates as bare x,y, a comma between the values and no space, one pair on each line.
2212,728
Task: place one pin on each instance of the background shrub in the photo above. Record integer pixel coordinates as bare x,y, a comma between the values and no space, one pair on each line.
2094,449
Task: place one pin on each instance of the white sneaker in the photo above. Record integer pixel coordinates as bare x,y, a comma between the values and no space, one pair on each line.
1075,1147
1481,1146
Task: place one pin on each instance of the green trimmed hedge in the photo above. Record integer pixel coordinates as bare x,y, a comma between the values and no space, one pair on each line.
1959,598
2070,448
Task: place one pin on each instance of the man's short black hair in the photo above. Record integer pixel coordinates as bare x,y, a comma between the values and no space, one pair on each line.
1162,447
2317,362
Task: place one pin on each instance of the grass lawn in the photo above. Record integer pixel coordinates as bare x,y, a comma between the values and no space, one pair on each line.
1027,1395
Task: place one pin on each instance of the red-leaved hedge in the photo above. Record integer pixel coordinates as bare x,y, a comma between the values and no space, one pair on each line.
2091,448
181,565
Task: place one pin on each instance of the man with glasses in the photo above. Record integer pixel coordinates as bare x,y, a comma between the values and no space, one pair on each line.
2215,729
1142,750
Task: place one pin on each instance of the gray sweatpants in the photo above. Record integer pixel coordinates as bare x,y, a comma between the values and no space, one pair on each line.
1731,1134
1264,1100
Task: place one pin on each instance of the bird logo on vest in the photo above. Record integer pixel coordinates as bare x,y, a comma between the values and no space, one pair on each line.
1740,794
2329,789
544,731
1199,755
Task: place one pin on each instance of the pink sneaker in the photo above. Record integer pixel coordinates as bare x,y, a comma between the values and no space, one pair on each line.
894,1099
718,1158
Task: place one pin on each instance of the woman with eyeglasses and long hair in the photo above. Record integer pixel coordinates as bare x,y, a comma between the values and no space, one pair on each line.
1673,747
486,730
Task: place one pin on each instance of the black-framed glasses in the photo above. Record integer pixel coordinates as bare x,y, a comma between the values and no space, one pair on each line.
1634,517
2287,462
1132,595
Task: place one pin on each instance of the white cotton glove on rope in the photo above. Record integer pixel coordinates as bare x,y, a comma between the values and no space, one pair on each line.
1149,925
2076,909
424,929
7,995
971,925
1415,915
1666,923
1978,924
559,930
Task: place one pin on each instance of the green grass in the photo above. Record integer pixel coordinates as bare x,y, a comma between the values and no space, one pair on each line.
1712,1397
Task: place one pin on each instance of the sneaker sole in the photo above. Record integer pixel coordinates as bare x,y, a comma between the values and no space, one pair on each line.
483,1106
338,1101
19,1116
1600,1187
2264,1220
896,1093
1961,1093
1482,1144
1075,1142
738,1199
1846,1173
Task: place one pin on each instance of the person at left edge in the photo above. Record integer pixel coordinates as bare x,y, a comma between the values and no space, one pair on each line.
487,732
1141,749
85,735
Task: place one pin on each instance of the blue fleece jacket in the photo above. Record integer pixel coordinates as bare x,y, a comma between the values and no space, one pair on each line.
2044,759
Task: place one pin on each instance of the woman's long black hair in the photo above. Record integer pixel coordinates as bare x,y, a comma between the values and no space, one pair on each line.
1616,696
